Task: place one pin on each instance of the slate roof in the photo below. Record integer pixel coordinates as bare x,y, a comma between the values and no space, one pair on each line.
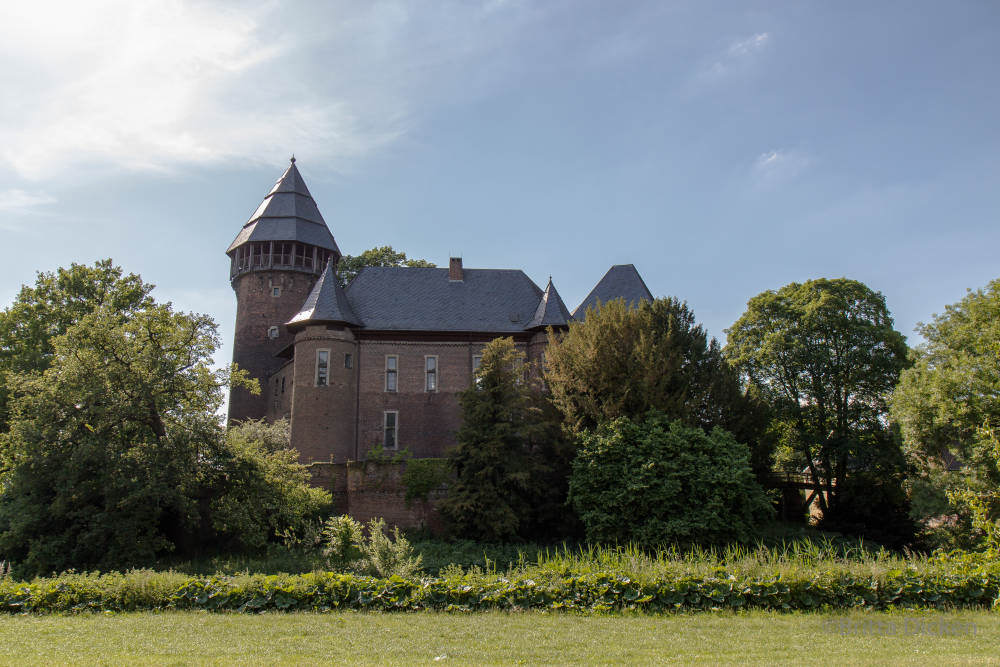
327,302
551,311
622,281
288,213
423,299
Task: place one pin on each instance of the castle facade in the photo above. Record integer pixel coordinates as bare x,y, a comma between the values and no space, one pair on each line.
380,362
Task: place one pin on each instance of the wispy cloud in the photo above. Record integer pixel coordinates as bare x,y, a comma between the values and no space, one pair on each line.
778,166
735,58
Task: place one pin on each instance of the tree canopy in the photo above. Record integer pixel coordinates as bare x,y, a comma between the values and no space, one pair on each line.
114,454
826,356
624,362
350,265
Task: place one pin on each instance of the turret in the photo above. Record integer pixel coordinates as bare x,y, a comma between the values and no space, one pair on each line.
274,263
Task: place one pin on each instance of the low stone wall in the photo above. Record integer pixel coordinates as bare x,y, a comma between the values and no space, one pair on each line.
366,490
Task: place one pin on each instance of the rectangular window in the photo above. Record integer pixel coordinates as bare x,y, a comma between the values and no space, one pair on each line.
282,385
322,367
431,373
477,361
348,360
391,372
390,428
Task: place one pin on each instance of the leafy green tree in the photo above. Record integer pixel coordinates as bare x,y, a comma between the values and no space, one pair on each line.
655,480
826,356
511,462
115,456
953,388
57,301
350,265
624,362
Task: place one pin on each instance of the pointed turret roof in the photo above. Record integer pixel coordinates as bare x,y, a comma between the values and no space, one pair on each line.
551,311
622,281
327,302
288,213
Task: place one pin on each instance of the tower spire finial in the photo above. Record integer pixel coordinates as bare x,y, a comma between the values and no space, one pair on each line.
293,158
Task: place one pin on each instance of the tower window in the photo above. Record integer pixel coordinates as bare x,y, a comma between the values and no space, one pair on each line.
272,332
322,367
391,372
282,385
275,291
430,373
348,360
390,429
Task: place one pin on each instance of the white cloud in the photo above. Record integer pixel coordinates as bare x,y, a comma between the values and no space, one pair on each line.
747,46
778,166
21,201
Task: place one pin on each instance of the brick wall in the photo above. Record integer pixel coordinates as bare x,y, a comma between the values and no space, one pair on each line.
367,490
256,311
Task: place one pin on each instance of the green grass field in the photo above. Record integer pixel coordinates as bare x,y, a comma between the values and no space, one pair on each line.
500,638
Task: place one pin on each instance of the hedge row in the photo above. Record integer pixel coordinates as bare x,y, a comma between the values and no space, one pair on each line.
140,590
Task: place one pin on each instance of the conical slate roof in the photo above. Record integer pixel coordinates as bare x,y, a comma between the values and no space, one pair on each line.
326,303
551,311
622,281
288,213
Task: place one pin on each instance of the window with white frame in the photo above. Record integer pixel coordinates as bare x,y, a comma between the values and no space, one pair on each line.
391,372
477,361
430,373
272,332
390,428
275,291
322,367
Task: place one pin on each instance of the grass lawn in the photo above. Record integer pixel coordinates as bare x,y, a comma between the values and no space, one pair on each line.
527,638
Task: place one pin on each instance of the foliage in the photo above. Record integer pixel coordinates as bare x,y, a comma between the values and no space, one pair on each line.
349,266
656,481
953,387
56,302
980,497
595,581
623,362
348,550
825,354
423,476
506,444
115,457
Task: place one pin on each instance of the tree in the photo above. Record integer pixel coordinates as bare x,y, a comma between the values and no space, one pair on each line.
826,355
624,362
948,404
349,265
115,456
56,302
654,480
511,462
953,387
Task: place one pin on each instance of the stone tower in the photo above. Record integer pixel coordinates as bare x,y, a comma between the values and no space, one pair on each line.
274,262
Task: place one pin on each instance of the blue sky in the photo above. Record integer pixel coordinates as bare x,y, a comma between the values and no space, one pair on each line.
723,148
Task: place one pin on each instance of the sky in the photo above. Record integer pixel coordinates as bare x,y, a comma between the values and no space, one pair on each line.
723,148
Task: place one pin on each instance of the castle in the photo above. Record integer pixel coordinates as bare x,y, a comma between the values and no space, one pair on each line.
380,362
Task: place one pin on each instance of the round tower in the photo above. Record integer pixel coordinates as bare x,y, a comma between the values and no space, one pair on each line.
274,263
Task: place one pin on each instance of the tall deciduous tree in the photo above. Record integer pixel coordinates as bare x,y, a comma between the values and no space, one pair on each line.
55,302
826,355
350,265
114,454
624,362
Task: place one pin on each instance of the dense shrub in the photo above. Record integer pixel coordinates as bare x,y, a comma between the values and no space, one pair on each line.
348,549
656,481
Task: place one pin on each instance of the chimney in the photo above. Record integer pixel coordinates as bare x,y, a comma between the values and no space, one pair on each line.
455,269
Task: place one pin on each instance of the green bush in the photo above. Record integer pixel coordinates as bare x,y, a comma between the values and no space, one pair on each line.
657,481
348,550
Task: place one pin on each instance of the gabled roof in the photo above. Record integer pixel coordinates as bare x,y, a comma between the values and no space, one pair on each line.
326,303
551,311
288,213
391,298
622,281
